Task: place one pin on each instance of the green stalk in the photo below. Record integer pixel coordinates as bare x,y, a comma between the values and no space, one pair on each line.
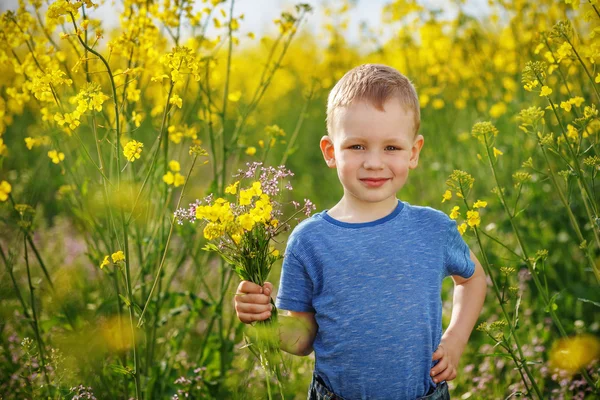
136,373
584,67
164,256
531,268
35,319
567,207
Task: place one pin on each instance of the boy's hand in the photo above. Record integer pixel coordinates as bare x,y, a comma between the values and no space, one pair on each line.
449,354
252,302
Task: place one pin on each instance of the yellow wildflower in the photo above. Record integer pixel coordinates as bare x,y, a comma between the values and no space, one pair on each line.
446,196
246,221
462,228
234,96
565,105
577,101
232,189
572,132
174,166
118,256
5,189
497,153
454,214
56,156
480,204
473,218
573,353
132,150
251,151
176,100
104,262
546,91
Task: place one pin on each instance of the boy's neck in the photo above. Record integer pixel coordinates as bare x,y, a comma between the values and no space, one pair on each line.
352,211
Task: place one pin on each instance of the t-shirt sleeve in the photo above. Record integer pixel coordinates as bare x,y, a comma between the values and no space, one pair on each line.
295,286
457,256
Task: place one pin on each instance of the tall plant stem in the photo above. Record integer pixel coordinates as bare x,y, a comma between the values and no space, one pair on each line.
36,329
530,266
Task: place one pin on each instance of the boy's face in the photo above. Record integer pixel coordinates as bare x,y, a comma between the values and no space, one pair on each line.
372,151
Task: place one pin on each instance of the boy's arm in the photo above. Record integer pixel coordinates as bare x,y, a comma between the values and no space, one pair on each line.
469,296
297,331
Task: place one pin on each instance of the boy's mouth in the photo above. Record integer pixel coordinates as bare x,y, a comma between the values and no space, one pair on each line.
374,182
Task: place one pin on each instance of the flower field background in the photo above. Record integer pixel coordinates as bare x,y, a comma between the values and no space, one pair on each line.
104,135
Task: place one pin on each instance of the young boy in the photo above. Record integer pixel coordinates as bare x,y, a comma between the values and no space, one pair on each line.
361,282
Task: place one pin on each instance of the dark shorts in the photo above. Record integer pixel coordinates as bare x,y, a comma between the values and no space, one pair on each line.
319,391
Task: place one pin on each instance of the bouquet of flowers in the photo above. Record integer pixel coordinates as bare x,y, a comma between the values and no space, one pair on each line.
242,228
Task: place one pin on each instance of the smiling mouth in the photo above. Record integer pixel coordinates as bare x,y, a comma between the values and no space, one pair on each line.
374,182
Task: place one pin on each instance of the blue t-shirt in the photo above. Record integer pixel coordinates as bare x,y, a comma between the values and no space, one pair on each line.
375,289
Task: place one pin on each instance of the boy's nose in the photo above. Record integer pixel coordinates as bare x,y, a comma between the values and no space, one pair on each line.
373,161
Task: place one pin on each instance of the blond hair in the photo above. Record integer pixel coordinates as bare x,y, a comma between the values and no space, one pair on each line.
374,83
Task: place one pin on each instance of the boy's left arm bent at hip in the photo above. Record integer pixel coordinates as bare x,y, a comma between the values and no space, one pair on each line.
469,295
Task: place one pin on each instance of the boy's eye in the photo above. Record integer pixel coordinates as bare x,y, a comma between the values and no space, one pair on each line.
356,147
392,148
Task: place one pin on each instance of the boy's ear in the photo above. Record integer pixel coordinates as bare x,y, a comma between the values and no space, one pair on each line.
415,151
327,149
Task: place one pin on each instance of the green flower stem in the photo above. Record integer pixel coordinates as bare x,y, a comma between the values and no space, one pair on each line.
36,329
265,80
164,256
225,101
298,124
487,266
531,268
136,372
567,207
155,156
573,155
584,67
9,269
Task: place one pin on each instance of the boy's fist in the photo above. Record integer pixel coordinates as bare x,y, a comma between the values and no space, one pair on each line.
252,302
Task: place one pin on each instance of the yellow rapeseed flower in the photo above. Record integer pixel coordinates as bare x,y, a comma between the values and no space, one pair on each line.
473,219
546,91
174,166
573,353
246,221
5,189
480,204
497,153
104,262
132,150
446,196
232,189
251,150
455,213
118,256
462,228
56,156
565,105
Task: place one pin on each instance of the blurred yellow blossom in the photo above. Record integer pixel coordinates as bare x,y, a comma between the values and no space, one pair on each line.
446,196
546,91
232,189
5,189
132,150
104,262
480,204
573,353
473,218
56,156
118,256
462,228
497,153
251,151
455,213
174,166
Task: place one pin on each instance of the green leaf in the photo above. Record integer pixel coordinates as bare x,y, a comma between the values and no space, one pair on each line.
119,369
589,301
125,300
